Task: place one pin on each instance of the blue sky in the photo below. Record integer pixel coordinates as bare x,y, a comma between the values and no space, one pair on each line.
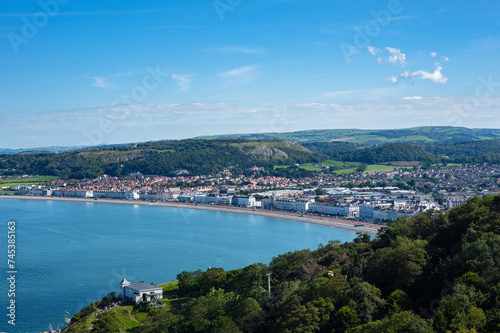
87,72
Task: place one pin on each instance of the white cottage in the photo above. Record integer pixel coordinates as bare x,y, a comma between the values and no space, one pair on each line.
140,292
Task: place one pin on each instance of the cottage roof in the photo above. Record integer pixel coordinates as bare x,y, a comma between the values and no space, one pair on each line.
143,286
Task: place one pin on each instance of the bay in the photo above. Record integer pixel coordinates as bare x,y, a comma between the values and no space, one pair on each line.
69,254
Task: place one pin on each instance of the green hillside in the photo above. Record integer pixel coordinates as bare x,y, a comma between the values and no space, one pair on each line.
161,158
436,272
196,157
467,151
388,153
377,137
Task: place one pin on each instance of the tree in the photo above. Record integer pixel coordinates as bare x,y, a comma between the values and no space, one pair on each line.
204,311
345,318
298,318
108,322
285,264
404,321
249,315
326,313
398,301
362,167
365,299
397,268
320,191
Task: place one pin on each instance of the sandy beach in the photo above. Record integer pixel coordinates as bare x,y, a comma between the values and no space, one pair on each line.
364,227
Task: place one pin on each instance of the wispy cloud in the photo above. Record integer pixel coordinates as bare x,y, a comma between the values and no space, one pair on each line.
239,49
238,72
411,98
384,20
433,54
182,81
372,50
436,76
339,93
100,82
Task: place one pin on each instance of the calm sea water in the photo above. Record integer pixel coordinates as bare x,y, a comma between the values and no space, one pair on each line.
69,254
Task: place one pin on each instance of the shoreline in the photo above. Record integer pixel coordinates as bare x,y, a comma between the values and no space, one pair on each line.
367,228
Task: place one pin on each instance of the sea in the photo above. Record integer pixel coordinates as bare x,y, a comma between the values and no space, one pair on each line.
69,254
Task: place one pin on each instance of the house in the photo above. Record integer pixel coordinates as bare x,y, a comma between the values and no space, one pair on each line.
248,201
185,198
212,199
140,292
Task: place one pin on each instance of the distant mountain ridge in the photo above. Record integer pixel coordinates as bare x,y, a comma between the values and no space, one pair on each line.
50,149
438,134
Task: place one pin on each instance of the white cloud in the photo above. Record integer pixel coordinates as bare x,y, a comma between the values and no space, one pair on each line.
372,50
436,76
446,59
433,54
338,93
100,82
396,56
238,72
182,81
379,59
410,98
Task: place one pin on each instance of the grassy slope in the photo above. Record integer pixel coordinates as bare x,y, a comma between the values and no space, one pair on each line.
127,316
35,180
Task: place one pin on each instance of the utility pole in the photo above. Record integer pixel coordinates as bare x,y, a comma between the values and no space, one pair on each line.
269,283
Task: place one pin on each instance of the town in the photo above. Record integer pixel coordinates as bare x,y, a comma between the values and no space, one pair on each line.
365,196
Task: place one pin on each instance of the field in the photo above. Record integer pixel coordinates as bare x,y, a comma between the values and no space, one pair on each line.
169,286
403,163
346,167
35,180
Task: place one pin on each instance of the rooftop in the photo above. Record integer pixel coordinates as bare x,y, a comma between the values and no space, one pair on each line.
143,286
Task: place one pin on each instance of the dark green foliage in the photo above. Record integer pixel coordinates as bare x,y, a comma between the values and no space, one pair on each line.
320,191
397,266
84,312
466,151
398,301
362,167
108,322
108,299
287,264
387,153
405,321
345,318
331,148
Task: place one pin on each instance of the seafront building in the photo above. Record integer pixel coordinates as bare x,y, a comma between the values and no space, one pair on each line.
140,292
